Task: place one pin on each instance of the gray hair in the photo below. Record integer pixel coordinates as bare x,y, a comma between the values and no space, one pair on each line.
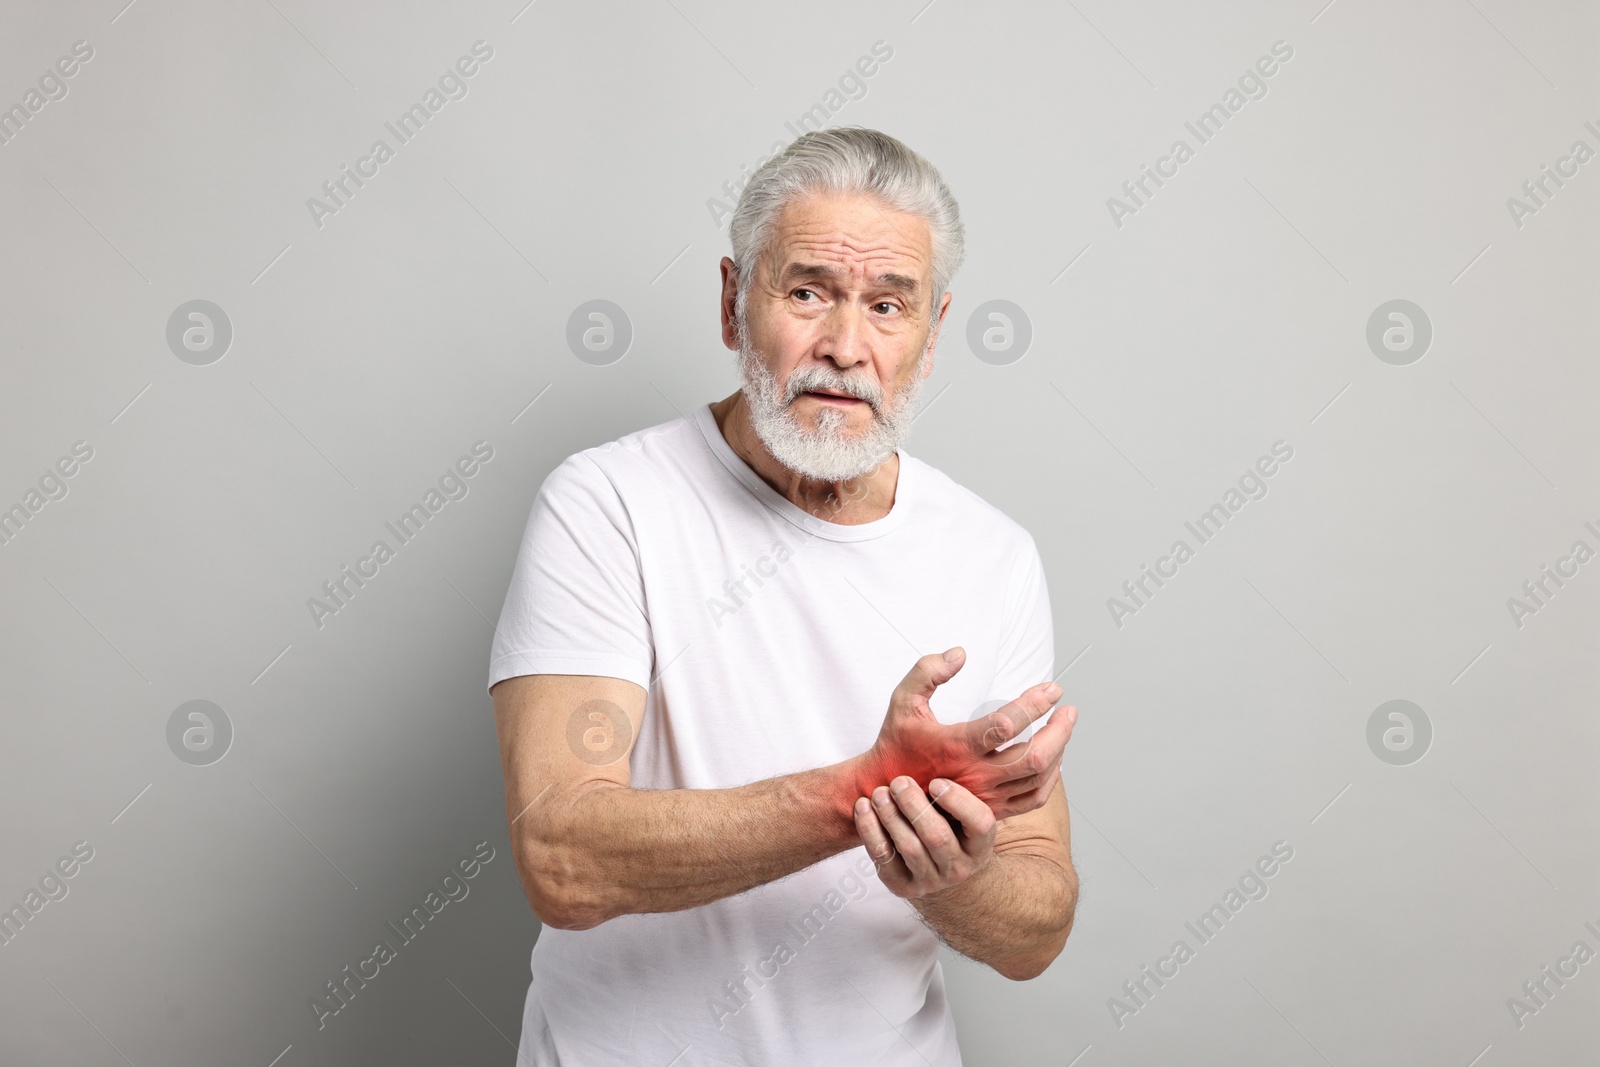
846,159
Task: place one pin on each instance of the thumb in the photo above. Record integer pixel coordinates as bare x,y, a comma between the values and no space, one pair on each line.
926,675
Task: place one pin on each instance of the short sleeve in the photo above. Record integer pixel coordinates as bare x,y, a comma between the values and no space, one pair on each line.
1027,651
576,602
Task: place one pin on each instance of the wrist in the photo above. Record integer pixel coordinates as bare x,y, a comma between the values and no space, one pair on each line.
958,897
847,782
864,773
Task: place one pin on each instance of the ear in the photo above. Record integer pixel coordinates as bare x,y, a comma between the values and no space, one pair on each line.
933,336
730,296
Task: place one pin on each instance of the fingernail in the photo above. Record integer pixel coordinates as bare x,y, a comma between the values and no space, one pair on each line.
898,785
1072,714
862,805
951,656
937,787
1054,690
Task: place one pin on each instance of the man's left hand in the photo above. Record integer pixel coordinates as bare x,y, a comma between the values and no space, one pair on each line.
916,849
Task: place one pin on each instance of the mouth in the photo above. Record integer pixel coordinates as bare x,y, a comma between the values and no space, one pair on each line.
832,397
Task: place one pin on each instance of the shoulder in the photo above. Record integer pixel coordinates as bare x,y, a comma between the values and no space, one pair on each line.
963,512
633,463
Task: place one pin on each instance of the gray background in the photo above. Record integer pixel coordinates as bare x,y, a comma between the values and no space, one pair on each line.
1167,354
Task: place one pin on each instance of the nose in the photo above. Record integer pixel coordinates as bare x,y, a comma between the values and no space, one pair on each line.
845,341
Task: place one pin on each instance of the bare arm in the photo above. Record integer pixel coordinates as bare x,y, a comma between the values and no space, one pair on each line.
1003,892
589,847
1016,910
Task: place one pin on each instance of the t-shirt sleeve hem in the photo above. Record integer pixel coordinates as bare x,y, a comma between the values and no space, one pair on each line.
600,664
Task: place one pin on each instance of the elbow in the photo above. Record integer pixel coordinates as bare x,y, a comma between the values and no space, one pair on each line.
561,897
565,907
1023,974
567,917
1027,968
552,910
560,876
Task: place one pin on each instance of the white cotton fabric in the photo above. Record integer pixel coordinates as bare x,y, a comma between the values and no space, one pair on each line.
768,641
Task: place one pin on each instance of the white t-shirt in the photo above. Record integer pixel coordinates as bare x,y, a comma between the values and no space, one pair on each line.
769,642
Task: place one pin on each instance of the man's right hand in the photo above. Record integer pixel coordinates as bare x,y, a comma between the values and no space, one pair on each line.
913,742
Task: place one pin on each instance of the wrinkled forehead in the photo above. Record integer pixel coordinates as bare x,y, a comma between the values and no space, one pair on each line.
852,241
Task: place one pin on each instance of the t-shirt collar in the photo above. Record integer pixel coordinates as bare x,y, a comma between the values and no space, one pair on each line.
904,489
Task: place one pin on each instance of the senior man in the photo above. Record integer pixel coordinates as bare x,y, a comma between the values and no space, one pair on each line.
738,856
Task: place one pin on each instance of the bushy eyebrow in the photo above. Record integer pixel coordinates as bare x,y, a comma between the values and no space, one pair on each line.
797,272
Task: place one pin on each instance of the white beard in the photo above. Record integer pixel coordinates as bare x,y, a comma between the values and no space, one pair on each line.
828,453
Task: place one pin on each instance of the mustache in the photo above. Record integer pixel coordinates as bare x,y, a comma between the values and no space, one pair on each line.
812,380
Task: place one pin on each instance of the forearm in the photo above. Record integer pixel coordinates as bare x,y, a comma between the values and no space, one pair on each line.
609,850
1014,913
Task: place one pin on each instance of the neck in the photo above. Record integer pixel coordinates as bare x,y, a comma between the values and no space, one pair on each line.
848,503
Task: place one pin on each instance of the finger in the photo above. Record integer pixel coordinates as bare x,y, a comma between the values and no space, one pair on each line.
1008,721
1025,800
1032,800
1016,787
1022,781
928,674
1021,787
1040,750
1064,721
1048,781
938,838
872,835
1054,735
901,832
977,821
1021,761
1054,770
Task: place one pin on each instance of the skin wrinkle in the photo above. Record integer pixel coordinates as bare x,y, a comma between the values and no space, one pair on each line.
872,202
844,247
1003,889
826,323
